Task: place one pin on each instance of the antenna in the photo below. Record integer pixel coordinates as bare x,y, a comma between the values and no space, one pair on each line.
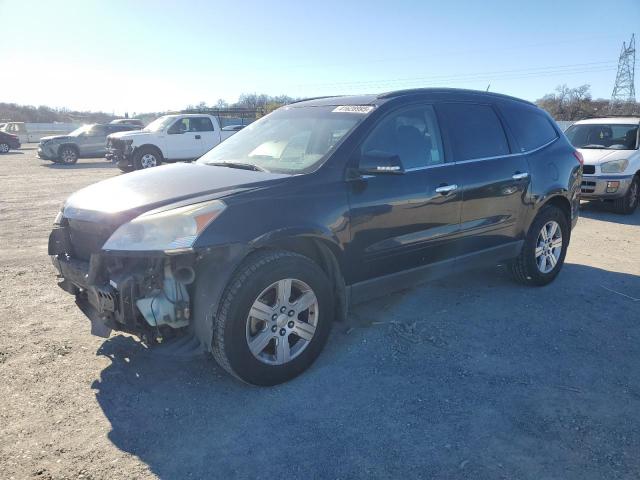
624,90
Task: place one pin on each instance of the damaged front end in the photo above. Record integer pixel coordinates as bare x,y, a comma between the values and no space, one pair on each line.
143,294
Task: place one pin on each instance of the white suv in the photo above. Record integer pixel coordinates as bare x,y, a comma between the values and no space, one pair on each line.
611,168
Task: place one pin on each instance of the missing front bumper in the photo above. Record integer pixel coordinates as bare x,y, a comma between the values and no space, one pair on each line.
140,295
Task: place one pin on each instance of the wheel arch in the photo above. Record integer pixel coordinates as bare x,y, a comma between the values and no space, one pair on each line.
153,147
320,247
561,202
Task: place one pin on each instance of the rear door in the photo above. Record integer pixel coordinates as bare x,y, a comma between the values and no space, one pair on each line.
206,134
495,178
93,142
402,221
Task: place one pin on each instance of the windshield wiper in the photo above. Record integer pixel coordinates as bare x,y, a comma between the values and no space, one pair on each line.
594,146
242,166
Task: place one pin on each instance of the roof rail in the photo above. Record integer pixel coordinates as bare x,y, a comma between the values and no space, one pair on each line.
410,91
313,98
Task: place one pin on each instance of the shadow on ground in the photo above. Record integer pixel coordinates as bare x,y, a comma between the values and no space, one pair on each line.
472,377
80,165
604,211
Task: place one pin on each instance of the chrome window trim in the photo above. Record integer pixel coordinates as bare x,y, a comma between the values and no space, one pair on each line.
509,155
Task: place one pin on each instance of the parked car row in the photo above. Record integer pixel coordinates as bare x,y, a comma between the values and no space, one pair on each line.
86,141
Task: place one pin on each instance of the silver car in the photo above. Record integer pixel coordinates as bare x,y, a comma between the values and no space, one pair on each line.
86,141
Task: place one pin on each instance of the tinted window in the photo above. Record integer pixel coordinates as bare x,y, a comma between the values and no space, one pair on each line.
474,131
201,124
120,128
531,127
411,133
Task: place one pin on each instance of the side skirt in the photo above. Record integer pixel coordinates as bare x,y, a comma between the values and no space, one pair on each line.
376,287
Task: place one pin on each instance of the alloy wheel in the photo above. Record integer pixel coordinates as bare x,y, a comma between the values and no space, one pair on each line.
548,246
68,156
148,160
4,148
282,321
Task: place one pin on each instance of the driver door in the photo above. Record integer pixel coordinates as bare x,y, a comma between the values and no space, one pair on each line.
400,221
184,142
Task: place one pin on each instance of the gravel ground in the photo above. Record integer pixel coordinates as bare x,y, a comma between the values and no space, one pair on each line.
472,377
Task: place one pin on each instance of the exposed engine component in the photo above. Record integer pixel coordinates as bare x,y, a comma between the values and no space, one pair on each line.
169,306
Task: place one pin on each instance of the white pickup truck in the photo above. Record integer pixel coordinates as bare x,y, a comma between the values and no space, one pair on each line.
168,139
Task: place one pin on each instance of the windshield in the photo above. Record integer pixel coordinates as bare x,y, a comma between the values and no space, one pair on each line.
80,130
605,136
159,124
290,140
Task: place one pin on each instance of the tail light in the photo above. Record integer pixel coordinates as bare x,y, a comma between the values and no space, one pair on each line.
579,157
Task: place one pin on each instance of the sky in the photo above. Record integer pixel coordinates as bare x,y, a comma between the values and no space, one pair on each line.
146,56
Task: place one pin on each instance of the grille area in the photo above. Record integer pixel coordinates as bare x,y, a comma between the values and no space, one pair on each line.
87,238
588,187
589,169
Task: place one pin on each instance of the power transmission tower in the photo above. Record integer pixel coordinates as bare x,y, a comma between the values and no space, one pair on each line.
624,90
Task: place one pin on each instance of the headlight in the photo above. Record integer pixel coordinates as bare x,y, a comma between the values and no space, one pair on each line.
172,229
614,166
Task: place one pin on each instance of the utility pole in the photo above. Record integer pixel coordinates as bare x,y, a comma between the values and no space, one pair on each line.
624,91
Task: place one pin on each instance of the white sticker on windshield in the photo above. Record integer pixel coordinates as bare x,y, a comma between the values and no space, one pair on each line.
353,109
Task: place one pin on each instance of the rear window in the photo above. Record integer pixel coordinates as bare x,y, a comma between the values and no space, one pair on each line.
531,127
474,131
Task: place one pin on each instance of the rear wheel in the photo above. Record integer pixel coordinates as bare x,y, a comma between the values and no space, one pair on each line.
628,204
68,155
146,158
4,148
544,249
274,318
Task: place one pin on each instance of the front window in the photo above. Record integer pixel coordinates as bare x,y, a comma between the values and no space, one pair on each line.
290,140
605,136
80,130
159,124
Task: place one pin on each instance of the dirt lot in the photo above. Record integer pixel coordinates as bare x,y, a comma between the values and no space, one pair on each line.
473,377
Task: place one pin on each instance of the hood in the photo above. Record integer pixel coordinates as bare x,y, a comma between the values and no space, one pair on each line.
593,156
55,137
122,198
131,133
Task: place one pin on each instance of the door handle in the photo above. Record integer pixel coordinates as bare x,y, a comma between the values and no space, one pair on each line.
445,189
197,137
520,176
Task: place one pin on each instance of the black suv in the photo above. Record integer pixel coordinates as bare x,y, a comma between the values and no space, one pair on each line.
255,249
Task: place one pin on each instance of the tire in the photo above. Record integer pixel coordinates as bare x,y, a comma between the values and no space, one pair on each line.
234,327
534,266
67,155
4,147
628,204
146,158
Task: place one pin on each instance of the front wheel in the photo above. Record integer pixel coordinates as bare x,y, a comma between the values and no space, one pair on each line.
146,158
68,155
4,148
544,248
628,204
274,318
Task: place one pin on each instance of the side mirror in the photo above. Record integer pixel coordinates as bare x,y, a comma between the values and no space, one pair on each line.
376,162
